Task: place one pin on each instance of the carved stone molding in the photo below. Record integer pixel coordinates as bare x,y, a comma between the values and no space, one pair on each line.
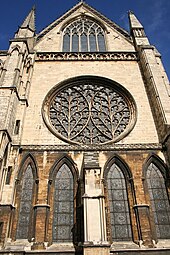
106,147
87,56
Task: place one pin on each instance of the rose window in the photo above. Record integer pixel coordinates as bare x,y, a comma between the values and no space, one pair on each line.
90,112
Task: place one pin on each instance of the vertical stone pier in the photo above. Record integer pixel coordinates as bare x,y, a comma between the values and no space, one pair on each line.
95,239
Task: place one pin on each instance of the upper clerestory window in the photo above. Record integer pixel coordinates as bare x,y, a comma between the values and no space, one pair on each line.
83,35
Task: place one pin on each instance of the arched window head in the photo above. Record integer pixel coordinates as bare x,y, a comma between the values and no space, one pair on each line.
63,206
83,35
159,201
118,204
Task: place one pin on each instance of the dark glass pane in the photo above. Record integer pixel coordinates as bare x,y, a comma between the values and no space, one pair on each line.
66,43
120,206
101,42
119,209
83,42
164,231
120,218
92,39
158,194
159,201
121,232
63,205
75,43
162,206
25,205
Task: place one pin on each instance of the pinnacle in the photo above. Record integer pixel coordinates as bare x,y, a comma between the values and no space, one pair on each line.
134,22
29,21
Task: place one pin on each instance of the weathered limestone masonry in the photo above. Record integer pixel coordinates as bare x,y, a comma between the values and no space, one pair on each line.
84,139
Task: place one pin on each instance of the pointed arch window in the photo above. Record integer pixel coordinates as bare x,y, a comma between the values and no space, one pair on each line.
25,208
159,201
63,206
83,35
118,204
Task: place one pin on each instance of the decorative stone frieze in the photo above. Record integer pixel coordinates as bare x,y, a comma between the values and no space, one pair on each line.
75,56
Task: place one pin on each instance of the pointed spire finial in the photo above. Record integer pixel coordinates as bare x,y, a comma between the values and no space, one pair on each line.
27,29
134,22
29,21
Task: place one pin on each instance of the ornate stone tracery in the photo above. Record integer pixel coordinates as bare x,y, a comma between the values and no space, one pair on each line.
83,35
86,56
90,112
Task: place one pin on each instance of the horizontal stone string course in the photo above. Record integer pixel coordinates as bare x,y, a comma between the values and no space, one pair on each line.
115,147
108,56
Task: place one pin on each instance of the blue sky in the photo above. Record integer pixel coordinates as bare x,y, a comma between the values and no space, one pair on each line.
153,14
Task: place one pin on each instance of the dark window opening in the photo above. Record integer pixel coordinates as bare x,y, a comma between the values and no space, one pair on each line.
159,201
17,126
25,205
63,206
8,176
118,205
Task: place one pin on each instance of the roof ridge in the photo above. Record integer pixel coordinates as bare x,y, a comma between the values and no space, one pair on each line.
93,10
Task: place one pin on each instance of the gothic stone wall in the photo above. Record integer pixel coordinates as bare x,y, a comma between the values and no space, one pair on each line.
46,159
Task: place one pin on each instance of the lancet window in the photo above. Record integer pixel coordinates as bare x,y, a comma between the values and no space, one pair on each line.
159,201
63,206
83,35
118,204
25,208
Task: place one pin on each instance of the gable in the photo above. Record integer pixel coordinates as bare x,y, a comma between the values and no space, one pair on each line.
50,39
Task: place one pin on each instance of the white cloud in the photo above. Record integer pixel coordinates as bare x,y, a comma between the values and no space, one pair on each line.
124,21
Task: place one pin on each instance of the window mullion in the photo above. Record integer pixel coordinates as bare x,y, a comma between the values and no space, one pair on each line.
97,43
71,42
79,46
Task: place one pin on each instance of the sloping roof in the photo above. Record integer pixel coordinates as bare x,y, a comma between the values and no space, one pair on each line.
90,9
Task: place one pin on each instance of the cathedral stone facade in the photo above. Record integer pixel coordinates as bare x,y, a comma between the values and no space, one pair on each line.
84,139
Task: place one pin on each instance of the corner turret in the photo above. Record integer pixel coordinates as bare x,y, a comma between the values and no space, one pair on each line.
137,31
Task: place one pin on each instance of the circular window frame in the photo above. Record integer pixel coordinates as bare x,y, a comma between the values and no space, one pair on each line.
124,93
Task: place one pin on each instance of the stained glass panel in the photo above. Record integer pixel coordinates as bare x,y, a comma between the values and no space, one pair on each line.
92,39
66,43
118,202
75,43
101,42
84,47
25,205
63,206
159,201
